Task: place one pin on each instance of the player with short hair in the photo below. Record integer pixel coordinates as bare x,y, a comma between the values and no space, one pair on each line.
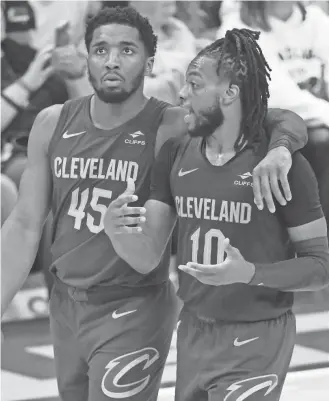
111,324
237,329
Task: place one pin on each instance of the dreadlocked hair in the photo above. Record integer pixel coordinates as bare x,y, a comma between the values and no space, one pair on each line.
241,60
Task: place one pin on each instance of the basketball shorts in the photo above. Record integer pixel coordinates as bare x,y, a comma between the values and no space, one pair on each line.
111,350
221,361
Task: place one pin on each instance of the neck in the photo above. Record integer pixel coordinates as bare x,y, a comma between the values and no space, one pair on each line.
222,140
281,10
220,145
111,115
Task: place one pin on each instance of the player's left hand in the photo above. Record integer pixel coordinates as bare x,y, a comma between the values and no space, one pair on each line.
274,168
234,269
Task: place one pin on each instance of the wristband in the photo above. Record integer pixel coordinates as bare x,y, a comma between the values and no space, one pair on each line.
23,85
12,103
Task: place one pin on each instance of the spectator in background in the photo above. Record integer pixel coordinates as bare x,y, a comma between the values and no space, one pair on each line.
294,41
176,47
69,58
28,85
202,18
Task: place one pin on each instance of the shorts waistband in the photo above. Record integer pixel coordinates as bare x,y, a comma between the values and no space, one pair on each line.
104,293
214,321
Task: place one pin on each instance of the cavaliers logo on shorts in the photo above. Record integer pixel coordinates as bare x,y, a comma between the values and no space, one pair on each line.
129,374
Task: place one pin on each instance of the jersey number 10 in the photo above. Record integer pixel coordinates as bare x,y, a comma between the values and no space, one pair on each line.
78,211
207,250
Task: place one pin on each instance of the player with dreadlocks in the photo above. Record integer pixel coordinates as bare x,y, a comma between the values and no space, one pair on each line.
237,329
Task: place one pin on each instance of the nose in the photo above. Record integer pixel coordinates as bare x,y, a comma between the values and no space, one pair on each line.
183,95
113,61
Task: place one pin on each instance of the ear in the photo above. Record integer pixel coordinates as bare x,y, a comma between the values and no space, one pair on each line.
231,94
149,66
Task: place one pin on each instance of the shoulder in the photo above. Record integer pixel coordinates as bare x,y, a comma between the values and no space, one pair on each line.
301,168
172,126
291,119
173,119
44,126
169,152
301,176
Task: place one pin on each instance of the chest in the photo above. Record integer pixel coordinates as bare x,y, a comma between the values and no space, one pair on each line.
87,158
221,193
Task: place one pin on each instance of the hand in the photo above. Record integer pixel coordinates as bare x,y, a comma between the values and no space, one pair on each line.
69,62
39,70
274,168
118,215
234,269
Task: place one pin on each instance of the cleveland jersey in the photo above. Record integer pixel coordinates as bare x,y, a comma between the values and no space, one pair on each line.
90,167
215,202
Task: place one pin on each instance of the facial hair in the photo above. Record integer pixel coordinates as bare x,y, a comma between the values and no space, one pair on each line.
207,121
114,95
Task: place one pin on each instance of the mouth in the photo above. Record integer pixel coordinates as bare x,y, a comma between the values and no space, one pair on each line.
112,78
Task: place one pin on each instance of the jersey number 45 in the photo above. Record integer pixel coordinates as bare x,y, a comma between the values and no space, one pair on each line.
77,210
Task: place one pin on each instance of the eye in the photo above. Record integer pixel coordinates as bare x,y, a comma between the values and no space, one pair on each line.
100,50
194,85
128,51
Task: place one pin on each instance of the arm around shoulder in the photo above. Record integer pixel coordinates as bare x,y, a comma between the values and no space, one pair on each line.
286,128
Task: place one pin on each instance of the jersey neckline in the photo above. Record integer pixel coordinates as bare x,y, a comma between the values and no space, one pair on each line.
201,150
120,128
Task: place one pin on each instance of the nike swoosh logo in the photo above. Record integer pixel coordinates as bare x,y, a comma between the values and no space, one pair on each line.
238,343
181,173
117,315
66,135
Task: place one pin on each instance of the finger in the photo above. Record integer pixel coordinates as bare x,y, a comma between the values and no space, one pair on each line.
46,50
130,190
127,210
124,211
285,186
266,192
258,199
48,71
205,270
128,230
226,243
228,248
124,199
274,181
190,271
128,220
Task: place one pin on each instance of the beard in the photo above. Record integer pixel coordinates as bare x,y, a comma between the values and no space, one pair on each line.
115,95
207,121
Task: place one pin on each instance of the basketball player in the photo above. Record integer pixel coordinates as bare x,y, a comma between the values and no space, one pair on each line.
237,330
111,324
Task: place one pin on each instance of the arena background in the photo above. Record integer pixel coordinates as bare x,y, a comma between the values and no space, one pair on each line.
27,369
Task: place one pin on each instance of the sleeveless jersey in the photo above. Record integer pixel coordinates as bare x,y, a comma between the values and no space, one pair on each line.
90,167
213,203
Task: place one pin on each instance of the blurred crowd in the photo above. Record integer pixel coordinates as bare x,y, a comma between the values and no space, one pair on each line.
43,62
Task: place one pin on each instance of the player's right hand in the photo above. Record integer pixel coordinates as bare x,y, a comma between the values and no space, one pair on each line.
120,217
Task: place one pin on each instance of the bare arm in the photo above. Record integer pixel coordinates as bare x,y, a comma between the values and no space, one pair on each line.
20,235
143,246
16,96
142,250
13,99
